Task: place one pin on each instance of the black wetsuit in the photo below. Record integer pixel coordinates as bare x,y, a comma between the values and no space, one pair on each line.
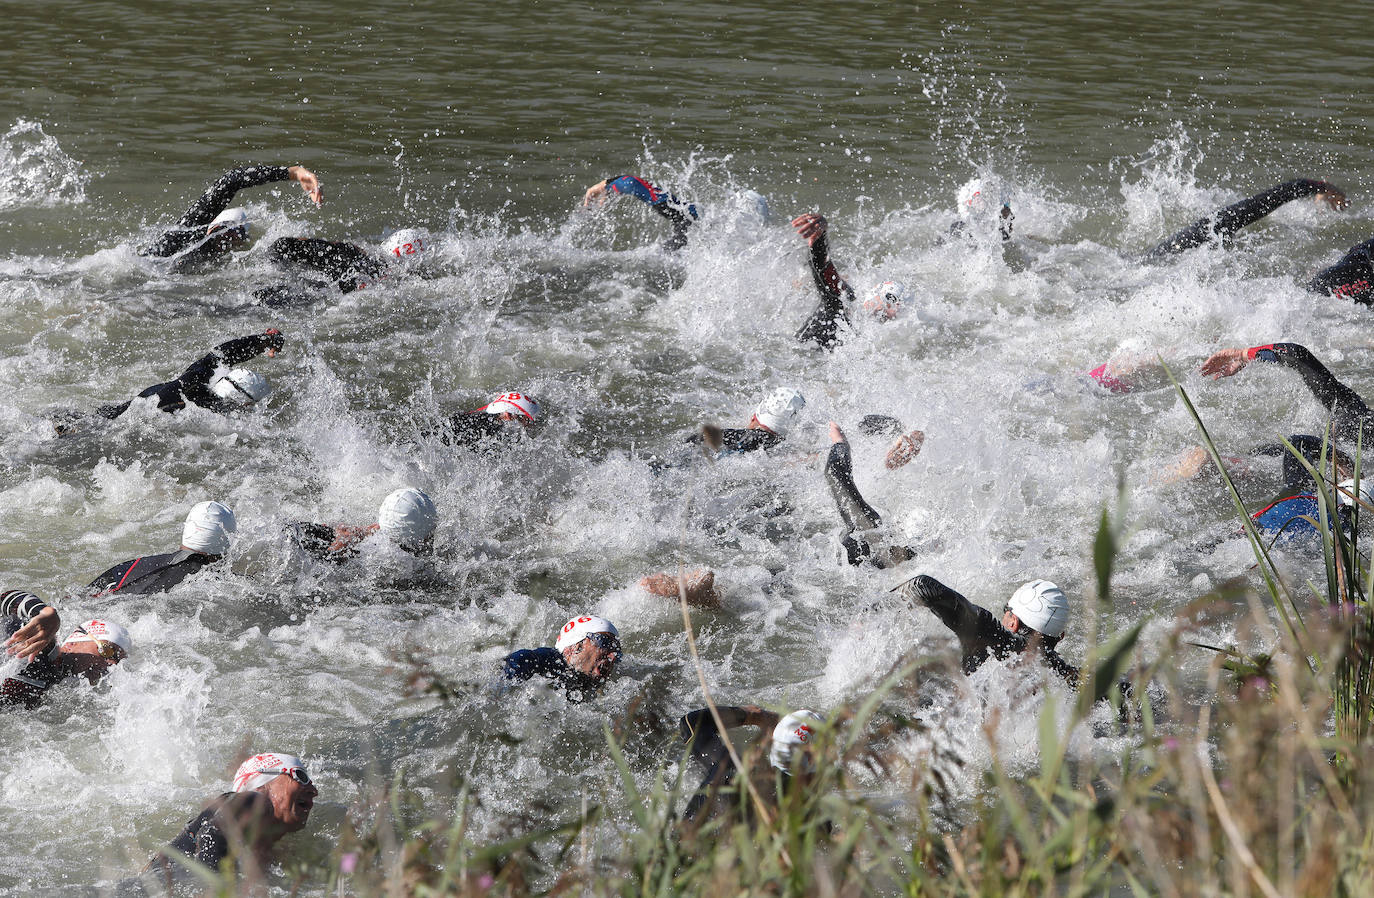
706,744
477,430
1351,277
679,214
738,439
208,838
981,635
822,327
859,517
27,686
525,664
193,385
350,267
189,238
1349,413
152,573
1226,222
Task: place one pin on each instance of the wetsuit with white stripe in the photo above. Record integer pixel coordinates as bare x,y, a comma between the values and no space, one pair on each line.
1224,223
27,686
193,386
152,573
679,214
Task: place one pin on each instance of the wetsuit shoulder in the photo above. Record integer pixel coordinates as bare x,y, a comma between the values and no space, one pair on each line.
194,383
206,837
524,664
348,265
978,631
734,439
1351,277
472,429
151,573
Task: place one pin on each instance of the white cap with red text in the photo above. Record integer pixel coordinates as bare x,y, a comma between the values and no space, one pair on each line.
576,630
260,770
102,631
517,404
406,245
793,730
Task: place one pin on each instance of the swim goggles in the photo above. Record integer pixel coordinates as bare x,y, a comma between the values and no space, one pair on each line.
607,643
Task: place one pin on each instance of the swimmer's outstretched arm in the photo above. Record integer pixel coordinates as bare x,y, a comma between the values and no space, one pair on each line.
679,214
835,294
40,627
975,627
858,515
220,194
196,378
1226,222
1347,408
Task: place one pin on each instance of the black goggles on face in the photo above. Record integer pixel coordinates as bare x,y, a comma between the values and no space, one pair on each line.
298,774
607,642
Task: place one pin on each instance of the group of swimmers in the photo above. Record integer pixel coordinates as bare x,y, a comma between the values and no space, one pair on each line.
272,793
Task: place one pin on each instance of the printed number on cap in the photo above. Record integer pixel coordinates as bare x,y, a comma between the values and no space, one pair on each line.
572,623
803,732
408,249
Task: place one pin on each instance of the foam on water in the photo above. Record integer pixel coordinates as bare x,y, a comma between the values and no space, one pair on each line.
34,171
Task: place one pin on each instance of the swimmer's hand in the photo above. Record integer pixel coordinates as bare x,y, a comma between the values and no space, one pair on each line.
837,435
595,193
346,537
274,344
1224,363
29,641
309,183
1334,199
812,226
904,449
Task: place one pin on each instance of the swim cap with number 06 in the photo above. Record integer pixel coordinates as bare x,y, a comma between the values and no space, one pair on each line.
576,630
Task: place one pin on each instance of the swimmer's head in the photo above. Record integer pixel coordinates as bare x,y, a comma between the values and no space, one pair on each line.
886,300
972,200
406,246
792,732
408,518
1041,606
110,641
241,387
208,528
590,645
513,407
777,412
285,781
233,222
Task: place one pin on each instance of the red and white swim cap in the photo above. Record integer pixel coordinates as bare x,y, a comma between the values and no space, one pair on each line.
576,630
516,404
102,631
260,770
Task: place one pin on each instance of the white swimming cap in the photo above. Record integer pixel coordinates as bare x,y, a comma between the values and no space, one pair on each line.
208,526
406,245
1041,606
1345,494
242,387
515,403
887,299
576,630
260,770
235,217
408,517
777,411
102,631
793,730
972,199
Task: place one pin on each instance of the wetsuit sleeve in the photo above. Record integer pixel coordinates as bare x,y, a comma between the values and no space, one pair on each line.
525,664
1226,222
23,605
975,627
347,265
822,327
739,439
1352,276
839,474
194,382
679,214
1347,409
704,741
211,203
471,429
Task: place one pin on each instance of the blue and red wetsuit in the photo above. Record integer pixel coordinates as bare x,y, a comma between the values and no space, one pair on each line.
680,214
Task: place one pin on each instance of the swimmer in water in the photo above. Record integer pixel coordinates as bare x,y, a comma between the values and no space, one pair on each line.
346,265
209,230
204,541
768,427
862,523
211,382
581,661
1352,277
30,627
1034,619
789,760
1223,224
407,517
823,327
679,214
502,420
272,796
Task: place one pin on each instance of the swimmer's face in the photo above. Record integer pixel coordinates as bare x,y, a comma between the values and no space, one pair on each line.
292,800
233,238
90,659
755,424
595,656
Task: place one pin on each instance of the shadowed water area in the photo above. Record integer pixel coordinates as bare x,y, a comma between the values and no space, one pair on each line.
1104,129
